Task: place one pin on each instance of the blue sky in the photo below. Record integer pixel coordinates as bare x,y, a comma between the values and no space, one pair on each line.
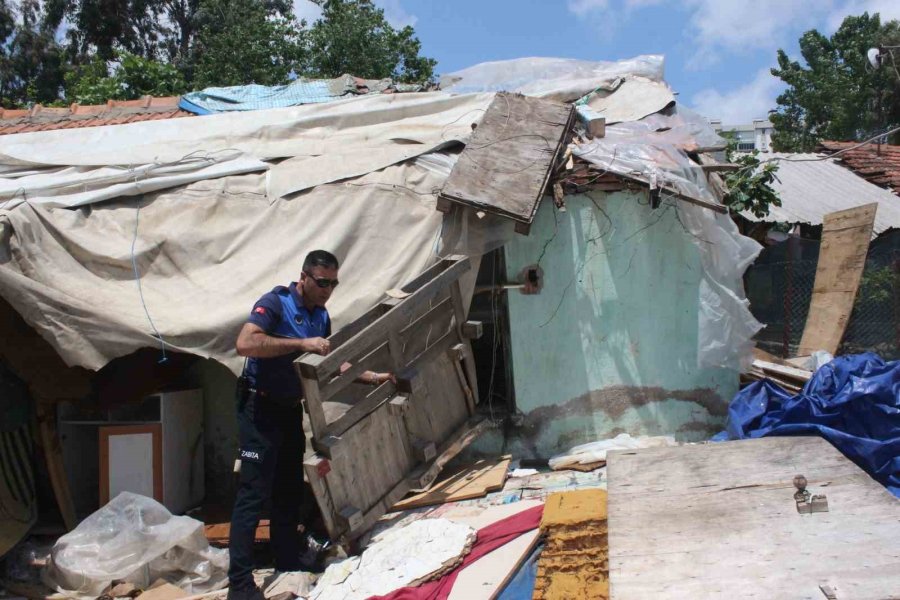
718,52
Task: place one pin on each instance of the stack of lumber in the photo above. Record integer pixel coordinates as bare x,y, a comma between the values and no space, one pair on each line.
574,563
779,371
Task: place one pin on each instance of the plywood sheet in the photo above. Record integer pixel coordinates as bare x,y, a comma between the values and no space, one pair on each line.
842,258
465,482
487,576
720,521
506,164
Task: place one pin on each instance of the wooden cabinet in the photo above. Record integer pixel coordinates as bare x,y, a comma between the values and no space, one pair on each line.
153,448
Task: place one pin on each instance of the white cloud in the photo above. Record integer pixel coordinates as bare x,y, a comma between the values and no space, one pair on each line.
741,26
888,9
306,10
582,8
634,4
752,100
394,12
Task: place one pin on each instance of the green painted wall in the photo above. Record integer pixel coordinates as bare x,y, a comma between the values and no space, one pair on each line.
610,343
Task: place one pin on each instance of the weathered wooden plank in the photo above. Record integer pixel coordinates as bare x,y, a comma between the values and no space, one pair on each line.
505,167
52,448
345,333
317,468
367,483
324,442
378,330
421,325
462,483
345,379
373,445
720,521
314,408
457,355
783,371
423,477
469,365
842,258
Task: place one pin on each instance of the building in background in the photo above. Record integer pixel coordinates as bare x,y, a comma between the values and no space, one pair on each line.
754,136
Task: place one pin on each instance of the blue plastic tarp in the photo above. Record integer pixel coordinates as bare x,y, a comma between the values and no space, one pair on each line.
521,586
300,91
853,402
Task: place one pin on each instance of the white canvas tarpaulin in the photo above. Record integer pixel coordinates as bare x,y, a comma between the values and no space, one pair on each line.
171,240
563,79
204,254
325,142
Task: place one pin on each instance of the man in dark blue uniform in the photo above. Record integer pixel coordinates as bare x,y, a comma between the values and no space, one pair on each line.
284,324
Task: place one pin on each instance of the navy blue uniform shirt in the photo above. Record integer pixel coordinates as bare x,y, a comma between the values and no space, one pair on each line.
281,313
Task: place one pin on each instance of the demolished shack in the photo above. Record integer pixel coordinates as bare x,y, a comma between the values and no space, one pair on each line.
594,281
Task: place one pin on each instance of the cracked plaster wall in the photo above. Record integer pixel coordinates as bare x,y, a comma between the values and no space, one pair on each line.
610,343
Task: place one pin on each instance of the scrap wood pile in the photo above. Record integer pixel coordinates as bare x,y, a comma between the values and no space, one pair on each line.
783,372
481,531
842,259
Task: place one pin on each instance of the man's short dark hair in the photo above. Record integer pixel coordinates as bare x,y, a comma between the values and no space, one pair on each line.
320,258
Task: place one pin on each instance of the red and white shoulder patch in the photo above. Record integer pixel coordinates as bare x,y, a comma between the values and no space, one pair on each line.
260,310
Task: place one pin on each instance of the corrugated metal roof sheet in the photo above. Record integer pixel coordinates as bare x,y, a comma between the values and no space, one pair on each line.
811,189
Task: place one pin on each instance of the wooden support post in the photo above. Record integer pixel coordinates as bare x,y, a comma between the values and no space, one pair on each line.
52,447
459,309
469,365
457,355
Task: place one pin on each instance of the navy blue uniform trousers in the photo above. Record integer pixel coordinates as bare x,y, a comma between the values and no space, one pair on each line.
272,446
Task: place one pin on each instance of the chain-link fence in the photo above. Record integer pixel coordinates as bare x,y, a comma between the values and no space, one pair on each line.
780,283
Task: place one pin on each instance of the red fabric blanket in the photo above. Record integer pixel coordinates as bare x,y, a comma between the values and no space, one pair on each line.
488,539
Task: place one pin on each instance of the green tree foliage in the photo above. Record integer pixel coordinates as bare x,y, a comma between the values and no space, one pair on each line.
246,41
120,49
103,27
130,78
352,36
31,62
750,187
836,94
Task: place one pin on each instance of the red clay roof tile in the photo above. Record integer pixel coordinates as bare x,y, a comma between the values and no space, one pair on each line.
114,112
879,164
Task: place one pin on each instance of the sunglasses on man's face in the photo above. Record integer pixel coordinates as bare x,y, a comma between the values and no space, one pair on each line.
323,282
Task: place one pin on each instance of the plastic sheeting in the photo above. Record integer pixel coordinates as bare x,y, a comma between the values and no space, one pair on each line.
322,142
135,539
300,91
563,79
654,149
628,99
853,402
596,451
